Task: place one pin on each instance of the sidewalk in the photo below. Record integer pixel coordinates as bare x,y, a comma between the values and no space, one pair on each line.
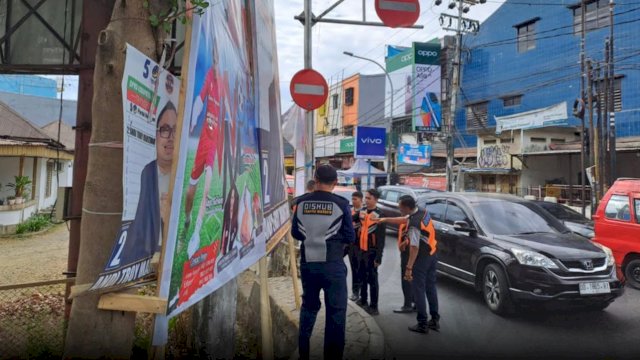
364,339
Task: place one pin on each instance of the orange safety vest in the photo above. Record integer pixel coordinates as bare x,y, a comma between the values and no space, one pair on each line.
422,220
402,228
367,223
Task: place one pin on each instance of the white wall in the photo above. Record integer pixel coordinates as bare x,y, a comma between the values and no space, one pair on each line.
13,217
8,169
66,175
44,201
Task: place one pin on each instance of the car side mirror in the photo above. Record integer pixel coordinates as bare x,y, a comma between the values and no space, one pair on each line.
463,226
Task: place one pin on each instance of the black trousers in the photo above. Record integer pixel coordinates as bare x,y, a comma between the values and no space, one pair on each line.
370,278
406,285
331,278
354,262
424,285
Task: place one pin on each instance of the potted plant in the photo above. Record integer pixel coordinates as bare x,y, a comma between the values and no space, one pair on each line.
19,185
11,200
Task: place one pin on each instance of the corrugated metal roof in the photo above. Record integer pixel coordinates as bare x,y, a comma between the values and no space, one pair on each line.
15,126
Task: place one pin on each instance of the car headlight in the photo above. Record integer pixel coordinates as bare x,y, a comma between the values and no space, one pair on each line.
611,261
532,258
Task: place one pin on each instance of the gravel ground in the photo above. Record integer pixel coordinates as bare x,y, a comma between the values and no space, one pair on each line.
31,258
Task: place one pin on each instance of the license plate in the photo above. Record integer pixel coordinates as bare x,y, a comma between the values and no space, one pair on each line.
594,288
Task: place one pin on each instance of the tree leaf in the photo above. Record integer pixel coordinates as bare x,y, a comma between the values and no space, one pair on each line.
145,4
153,19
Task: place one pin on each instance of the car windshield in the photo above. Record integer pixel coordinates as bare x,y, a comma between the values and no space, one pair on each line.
515,218
562,212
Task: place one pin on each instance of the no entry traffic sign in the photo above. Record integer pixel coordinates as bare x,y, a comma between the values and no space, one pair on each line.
309,89
398,13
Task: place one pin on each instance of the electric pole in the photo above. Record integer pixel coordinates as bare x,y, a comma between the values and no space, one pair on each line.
612,114
583,157
469,26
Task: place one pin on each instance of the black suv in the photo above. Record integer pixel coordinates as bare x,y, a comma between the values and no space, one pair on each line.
390,195
513,251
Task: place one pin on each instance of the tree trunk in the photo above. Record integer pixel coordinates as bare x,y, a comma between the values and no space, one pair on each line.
94,333
213,322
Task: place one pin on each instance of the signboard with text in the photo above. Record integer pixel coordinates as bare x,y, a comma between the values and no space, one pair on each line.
370,142
409,154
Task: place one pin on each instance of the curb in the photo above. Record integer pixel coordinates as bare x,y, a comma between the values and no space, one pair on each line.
376,336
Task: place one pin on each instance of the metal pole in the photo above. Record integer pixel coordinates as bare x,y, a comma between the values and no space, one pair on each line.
612,114
582,86
604,90
308,153
369,176
389,146
592,138
455,85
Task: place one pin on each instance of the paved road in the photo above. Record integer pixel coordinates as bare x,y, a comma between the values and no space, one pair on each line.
470,331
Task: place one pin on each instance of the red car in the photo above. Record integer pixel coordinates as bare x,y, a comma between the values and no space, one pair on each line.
291,185
617,226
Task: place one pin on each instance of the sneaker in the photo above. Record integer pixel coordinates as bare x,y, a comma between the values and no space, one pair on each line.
419,328
373,311
434,324
404,310
361,303
354,297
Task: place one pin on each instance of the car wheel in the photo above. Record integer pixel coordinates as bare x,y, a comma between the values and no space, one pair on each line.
632,273
495,290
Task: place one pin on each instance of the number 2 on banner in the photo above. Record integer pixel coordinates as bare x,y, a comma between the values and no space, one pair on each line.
121,242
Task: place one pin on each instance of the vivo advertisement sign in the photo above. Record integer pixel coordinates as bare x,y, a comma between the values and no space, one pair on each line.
370,143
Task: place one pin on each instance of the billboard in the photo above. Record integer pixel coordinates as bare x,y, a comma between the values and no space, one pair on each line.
150,100
217,228
416,80
370,143
409,154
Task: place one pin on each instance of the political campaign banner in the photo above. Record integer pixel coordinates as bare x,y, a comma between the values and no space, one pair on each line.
217,223
409,154
149,99
275,203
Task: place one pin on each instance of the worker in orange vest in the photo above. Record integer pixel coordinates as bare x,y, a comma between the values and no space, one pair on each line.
422,263
372,239
353,250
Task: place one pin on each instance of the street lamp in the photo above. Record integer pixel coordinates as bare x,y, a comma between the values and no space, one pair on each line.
348,53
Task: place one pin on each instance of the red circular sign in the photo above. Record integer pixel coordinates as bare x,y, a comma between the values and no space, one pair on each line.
309,89
398,13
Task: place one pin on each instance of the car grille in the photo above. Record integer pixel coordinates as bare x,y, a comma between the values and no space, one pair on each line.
584,264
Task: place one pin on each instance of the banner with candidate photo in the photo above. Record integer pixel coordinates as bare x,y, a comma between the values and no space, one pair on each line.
275,202
216,218
149,99
409,154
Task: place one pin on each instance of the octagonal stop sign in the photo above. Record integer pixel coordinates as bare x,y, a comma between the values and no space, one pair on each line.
398,13
309,89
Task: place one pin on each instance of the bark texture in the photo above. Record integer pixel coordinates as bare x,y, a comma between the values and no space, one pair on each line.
94,333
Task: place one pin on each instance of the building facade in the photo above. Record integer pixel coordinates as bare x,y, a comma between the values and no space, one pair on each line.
521,75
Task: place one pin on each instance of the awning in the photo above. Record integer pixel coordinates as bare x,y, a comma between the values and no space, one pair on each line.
361,168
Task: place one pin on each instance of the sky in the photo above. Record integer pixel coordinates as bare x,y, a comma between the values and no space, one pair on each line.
330,40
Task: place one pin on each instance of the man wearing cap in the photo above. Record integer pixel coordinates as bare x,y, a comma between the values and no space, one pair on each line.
322,222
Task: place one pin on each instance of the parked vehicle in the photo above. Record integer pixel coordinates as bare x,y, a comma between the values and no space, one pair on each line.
513,252
570,218
344,191
291,184
391,194
617,226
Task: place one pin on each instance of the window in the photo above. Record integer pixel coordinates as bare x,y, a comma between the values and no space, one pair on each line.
512,101
334,131
455,213
392,196
490,142
348,96
596,16
477,115
526,37
539,140
637,201
558,141
618,208
617,92
348,130
334,100
49,184
436,209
